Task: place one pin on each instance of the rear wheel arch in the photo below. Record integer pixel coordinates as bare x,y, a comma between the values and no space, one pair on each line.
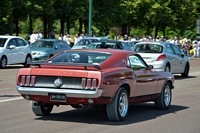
127,87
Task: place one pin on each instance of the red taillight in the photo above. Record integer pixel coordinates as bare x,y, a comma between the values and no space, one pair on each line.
83,83
161,57
94,84
88,83
23,78
27,80
32,81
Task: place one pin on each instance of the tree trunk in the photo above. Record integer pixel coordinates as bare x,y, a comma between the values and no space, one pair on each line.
62,24
50,23
85,26
30,24
80,25
68,25
156,32
45,27
16,26
10,24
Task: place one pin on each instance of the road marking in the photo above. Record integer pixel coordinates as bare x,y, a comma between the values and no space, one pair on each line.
13,99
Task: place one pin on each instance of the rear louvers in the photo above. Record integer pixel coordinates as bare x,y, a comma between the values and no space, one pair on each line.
88,83
27,81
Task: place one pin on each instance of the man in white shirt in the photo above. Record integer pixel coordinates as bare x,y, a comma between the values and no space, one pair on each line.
33,37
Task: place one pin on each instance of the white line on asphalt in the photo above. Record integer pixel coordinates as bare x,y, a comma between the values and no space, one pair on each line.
13,99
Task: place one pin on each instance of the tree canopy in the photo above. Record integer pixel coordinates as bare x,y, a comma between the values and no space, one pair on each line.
151,17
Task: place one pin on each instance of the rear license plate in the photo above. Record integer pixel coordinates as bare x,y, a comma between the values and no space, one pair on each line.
58,97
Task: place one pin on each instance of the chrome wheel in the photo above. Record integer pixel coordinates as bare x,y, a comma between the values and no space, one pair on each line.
167,96
164,100
167,69
123,104
117,110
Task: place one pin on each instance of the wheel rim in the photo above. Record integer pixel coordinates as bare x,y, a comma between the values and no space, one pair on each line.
123,104
28,59
167,96
167,69
3,62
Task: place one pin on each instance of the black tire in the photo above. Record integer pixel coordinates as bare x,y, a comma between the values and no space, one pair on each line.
41,109
167,68
28,59
186,70
164,100
3,62
117,110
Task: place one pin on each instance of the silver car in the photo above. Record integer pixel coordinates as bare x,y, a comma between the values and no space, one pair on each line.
164,56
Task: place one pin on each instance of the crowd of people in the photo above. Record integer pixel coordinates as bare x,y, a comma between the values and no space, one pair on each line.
191,48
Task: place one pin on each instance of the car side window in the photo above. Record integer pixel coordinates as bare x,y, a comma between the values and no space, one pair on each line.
20,42
176,50
136,63
12,42
169,49
57,44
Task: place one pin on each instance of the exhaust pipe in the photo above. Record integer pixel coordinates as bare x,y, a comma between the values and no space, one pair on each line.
80,106
36,103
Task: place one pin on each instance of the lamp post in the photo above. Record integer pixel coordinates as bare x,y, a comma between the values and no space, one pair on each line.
90,19
198,27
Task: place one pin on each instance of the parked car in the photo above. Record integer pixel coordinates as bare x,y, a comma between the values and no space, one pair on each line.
45,48
83,43
83,78
164,56
110,44
14,50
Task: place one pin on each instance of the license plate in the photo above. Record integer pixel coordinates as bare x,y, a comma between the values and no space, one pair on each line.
58,97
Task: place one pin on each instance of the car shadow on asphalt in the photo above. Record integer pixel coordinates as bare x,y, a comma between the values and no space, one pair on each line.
10,95
179,77
137,113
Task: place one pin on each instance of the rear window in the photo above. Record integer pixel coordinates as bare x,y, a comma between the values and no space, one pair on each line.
102,45
81,57
148,48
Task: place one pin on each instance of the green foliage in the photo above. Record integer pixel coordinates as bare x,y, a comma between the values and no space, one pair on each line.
117,17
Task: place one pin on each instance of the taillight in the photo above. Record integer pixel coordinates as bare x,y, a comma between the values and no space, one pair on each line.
27,80
89,83
161,57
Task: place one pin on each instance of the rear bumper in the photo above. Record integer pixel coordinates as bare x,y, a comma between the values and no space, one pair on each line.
68,92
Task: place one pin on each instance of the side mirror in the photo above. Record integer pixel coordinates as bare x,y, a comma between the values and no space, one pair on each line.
56,47
150,67
182,54
12,47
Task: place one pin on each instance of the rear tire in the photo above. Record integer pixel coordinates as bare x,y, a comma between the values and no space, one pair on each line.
186,71
41,109
164,100
28,59
118,108
3,62
167,68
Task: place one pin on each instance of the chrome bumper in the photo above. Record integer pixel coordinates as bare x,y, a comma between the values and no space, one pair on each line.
68,92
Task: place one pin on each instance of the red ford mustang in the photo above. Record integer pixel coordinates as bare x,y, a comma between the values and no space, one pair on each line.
114,79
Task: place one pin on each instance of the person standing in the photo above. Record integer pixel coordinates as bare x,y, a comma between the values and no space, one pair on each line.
33,37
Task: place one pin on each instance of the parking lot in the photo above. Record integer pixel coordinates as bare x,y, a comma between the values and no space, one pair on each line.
182,117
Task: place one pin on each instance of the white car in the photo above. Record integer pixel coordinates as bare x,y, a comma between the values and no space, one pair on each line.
14,50
164,56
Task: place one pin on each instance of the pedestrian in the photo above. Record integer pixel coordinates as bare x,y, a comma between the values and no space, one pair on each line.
33,37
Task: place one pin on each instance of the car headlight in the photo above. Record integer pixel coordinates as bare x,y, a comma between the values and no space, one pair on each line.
41,53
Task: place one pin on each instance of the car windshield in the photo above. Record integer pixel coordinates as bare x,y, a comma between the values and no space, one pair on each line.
148,48
42,44
2,41
104,45
81,57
